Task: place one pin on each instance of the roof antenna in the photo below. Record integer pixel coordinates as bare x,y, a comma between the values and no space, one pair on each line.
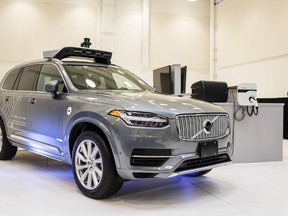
86,43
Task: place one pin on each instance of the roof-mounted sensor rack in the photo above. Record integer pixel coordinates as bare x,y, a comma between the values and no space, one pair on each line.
98,55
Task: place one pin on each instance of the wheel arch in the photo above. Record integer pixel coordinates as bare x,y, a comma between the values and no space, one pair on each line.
2,119
91,124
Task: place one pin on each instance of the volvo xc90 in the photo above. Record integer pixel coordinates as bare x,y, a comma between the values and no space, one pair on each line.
75,106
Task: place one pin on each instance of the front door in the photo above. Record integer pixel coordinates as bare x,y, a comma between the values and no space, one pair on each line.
45,115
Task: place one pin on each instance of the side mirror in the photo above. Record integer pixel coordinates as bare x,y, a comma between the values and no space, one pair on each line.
52,87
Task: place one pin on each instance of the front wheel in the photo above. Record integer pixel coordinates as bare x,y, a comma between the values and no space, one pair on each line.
7,151
93,167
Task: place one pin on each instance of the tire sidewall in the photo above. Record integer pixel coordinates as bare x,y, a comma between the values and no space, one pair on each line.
3,137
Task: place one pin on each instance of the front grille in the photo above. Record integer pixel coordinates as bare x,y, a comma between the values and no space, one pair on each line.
198,127
203,162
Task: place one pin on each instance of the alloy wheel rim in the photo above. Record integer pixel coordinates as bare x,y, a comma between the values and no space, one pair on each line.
89,164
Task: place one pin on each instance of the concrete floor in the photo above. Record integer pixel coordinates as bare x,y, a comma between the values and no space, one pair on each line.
36,186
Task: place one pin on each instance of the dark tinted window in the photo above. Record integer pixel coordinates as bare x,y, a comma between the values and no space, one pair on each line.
29,77
48,73
11,78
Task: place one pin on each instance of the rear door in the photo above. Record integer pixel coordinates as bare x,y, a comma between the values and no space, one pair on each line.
16,90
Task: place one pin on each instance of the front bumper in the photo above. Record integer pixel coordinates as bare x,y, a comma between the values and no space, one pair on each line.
183,157
178,165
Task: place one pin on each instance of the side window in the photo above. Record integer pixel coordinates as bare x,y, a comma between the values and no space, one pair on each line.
29,77
48,73
11,78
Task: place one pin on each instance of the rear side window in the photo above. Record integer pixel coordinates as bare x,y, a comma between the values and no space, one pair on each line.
11,79
29,77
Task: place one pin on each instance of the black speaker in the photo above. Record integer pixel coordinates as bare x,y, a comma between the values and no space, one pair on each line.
211,91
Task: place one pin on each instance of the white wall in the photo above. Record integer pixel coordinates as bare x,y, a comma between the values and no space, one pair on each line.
128,36
251,36
122,33
179,34
142,34
251,40
173,32
31,26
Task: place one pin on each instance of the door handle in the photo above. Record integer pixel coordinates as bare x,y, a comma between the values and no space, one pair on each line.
32,100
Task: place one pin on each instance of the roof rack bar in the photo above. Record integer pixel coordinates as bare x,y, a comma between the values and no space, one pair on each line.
98,55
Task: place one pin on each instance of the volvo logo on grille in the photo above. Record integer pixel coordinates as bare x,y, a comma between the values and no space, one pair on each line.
207,126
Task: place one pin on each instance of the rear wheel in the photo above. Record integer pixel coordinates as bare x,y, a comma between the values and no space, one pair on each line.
198,174
93,167
7,151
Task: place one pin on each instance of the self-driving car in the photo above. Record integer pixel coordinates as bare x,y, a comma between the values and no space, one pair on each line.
75,106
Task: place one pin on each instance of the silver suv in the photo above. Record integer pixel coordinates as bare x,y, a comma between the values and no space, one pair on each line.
77,107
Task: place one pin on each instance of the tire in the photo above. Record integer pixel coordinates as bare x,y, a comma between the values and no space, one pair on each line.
198,174
94,167
7,151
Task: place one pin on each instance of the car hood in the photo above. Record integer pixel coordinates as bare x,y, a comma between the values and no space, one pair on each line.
167,105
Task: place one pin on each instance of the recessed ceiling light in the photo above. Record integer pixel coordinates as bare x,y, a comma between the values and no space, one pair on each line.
192,0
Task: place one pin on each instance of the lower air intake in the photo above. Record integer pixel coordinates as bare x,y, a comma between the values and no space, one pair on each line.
203,162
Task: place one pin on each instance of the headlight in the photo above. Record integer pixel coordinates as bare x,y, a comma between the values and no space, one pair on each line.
141,119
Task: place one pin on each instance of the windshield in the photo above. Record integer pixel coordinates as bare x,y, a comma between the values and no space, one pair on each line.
92,77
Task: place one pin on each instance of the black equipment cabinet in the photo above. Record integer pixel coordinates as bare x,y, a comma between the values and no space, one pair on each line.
211,91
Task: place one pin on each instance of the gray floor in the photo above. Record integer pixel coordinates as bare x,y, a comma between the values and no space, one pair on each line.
33,185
